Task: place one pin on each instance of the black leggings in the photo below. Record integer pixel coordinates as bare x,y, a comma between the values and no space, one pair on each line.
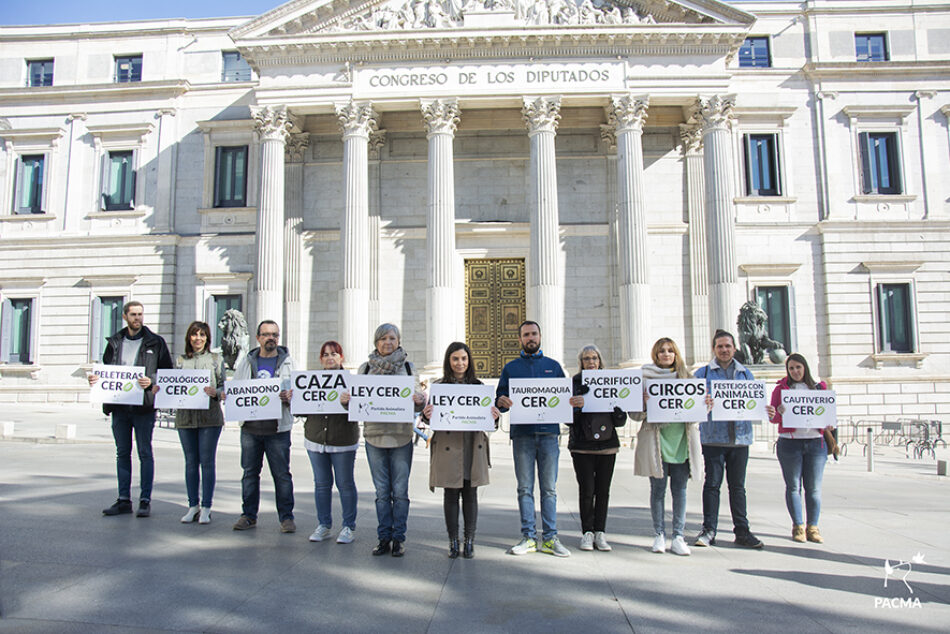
469,509
594,473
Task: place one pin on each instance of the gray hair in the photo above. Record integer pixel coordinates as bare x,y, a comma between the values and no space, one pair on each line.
589,348
383,329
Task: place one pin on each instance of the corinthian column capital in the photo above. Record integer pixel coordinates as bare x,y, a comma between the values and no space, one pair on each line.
356,118
627,113
440,116
273,123
715,112
541,114
691,138
296,147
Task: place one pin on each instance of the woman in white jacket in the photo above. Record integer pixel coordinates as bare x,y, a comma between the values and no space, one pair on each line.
668,451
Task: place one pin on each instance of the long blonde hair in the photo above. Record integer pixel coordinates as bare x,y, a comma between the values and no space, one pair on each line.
678,366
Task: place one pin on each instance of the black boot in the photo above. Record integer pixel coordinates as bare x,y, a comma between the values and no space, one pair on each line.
382,548
454,548
468,549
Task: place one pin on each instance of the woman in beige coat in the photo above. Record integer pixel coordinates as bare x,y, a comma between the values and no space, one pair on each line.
668,450
459,460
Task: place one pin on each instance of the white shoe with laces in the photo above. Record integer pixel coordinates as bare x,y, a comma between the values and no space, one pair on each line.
321,533
659,544
346,536
190,515
679,546
600,541
587,541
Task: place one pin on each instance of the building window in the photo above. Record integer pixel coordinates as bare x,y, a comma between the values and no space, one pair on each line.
128,68
870,47
118,180
761,165
230,176
234,67
17,326
895,318
774,301
754,53
106,321
880,165
221,304
28,197
39,72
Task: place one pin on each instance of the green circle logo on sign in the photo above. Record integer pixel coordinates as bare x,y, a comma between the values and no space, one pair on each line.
819,410
624,393
405,392
332,396
750,405
554,401
486,401
265,400
689,403
128,386
193,390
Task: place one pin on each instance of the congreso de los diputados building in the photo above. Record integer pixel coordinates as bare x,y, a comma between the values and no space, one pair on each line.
617,170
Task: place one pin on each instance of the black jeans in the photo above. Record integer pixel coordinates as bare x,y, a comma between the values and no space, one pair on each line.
450,504
732,461
594,473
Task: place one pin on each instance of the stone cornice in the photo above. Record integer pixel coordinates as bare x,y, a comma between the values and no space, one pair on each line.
863,71
94,92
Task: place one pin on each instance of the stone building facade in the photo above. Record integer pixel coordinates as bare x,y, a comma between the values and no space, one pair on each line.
618,170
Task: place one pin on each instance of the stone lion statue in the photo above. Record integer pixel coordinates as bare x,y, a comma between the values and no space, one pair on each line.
754,340
234,340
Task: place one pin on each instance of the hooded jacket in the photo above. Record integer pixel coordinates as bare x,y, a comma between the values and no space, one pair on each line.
153,355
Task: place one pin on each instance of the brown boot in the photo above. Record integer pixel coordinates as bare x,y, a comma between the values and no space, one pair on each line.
798,533
813,535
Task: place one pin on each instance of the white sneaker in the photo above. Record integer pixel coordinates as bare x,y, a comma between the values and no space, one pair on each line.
190,515
205,516
600,541
679,546
587,541
320,534
659,544
554,547
525,546
346,536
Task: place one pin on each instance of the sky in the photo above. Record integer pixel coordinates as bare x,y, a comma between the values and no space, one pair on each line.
76,11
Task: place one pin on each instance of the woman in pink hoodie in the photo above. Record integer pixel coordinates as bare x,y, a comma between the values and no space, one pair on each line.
802,453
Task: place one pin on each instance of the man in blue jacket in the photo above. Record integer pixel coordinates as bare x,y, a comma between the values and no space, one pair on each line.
534,444
725,449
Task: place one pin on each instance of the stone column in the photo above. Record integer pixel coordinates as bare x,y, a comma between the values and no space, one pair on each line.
627,114
691,136
295,337
167,168
545,290
273,126
441,116
357,121
716,114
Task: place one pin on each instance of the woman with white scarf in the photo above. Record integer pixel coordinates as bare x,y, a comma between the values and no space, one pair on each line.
668,450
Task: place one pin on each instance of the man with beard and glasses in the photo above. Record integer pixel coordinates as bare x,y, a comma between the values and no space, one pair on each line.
534,445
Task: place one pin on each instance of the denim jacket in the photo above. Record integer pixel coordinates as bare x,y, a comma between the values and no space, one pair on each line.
718,433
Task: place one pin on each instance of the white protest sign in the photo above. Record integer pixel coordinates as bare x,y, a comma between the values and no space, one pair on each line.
117,385
182,389
613,388
676,400
317,392
381,398
738,400
461,407
252,399
540,401
809,408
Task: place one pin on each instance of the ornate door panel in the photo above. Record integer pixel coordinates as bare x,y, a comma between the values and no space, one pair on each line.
494,308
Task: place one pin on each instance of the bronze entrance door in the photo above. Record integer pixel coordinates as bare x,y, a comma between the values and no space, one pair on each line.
494,308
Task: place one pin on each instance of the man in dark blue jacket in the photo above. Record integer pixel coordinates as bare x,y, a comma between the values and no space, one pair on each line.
534,444
134,345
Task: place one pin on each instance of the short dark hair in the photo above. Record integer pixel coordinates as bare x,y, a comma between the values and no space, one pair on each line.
266,321
720,333
528,322
448,376
129,305
193,327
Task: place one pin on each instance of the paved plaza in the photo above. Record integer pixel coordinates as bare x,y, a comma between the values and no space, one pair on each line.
65,568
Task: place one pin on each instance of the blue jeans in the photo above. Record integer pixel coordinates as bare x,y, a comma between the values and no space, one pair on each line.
200,445
803,463
542,449
731,461
277,448
678,475
325,467
124,422
390,470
